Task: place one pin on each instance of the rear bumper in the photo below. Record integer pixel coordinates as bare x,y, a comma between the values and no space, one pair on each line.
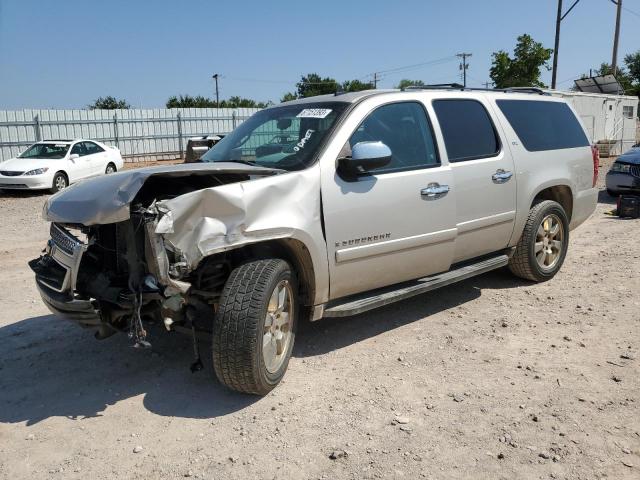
584,204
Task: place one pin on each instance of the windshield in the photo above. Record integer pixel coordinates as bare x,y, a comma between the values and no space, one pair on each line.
46,150
285,137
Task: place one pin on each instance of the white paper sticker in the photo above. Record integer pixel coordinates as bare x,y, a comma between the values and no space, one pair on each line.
314,113
61,145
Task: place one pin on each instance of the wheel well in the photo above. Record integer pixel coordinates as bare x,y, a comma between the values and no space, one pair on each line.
63,173
115,168
293,251
558,193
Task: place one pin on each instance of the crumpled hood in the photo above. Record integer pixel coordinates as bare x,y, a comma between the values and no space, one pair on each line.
106,199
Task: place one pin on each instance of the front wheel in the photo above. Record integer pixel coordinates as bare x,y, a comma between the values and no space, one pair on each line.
543,245
60,182
254,328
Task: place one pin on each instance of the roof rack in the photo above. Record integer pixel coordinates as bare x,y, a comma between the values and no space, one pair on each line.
457,86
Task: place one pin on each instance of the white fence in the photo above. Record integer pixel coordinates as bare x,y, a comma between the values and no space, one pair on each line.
139,134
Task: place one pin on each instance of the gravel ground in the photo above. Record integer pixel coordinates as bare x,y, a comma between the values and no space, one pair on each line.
490,378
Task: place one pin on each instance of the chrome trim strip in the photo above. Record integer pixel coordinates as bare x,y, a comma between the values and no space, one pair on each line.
491,220
391,246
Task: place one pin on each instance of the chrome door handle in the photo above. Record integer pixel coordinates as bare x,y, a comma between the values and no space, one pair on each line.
501,176
434,191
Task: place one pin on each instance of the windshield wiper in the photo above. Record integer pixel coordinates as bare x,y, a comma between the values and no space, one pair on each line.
253,164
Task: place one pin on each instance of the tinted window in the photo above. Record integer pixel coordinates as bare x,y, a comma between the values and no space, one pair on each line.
467,129
92,148
543,125
404,128
79,149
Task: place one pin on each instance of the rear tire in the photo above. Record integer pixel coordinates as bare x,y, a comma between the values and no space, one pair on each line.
60,182
254,328
540,252
111,168
611,193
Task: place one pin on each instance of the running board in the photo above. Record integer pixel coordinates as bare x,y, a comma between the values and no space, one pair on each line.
363,302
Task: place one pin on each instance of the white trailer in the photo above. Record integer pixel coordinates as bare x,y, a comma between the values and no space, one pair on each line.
610,120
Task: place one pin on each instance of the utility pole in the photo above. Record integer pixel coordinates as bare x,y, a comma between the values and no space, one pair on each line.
463,66
375,80
559,19
486,84
614,60
215,77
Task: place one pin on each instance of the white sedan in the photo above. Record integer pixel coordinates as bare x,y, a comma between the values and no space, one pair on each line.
55,164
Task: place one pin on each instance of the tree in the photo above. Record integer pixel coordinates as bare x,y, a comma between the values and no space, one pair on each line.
109,103
632,62
287,97
404,83
312,84
356,86
523,70
187,101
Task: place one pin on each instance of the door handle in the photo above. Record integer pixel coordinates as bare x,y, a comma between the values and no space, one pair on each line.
433,191
501,176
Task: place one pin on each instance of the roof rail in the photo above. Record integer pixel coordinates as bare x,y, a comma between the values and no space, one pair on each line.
457,86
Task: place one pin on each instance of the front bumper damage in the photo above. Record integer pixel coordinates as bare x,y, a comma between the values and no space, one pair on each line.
56,277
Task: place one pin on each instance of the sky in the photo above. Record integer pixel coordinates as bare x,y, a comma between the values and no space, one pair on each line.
65,54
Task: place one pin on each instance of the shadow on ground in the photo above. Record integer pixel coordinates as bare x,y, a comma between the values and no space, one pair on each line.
50,367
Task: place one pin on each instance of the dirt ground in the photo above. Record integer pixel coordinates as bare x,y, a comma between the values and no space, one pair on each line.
492,378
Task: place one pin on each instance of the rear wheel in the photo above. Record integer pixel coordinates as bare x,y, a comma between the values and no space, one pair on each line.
255,325
111,168
60,182
543,245
612,193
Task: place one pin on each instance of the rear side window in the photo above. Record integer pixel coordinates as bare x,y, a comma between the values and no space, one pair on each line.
544,126
467,129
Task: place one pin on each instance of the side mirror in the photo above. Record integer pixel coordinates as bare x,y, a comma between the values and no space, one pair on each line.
73,156
365,156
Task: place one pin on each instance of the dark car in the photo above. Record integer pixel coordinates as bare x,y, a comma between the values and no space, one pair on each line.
624,176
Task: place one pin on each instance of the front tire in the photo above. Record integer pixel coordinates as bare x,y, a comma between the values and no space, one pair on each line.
254,328
542,247
60,182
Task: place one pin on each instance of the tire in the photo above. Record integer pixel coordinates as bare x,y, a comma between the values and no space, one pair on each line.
531,265
111,168
245,334
611,193
59,182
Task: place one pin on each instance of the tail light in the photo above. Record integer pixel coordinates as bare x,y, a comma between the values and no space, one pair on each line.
595,153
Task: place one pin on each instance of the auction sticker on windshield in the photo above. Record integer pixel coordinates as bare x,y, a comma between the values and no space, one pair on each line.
314,113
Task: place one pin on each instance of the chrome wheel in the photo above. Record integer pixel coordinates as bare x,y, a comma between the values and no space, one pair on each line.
60,182
110,169
277,327
549,242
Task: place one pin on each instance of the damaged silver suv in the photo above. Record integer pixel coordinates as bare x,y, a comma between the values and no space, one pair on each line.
322,207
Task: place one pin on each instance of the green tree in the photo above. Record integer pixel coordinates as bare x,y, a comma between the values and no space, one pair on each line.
404,83
632,62
287,97
524,68
187,101
313,84
109,103
356,86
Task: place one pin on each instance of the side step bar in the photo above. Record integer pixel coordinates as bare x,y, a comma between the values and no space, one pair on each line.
361,303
